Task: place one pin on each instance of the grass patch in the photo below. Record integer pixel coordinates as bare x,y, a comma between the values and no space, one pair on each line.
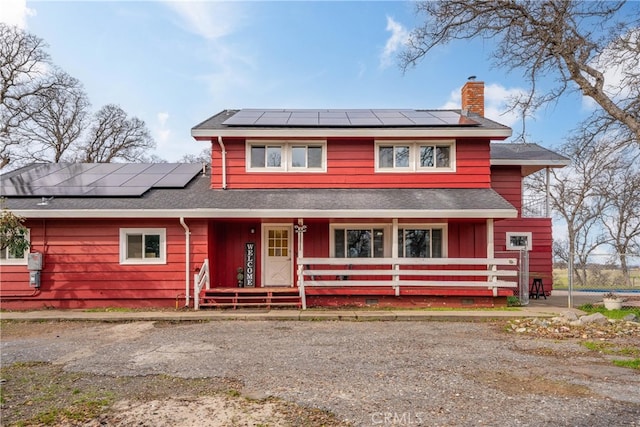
607,347
612,314
633,364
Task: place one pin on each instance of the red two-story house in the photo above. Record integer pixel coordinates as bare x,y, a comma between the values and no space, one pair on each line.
299,207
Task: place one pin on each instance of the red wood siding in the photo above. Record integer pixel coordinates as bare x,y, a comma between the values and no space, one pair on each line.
82,265
540,256
507,181
350,164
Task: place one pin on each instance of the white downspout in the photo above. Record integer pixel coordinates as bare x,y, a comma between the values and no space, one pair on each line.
187,262
224,163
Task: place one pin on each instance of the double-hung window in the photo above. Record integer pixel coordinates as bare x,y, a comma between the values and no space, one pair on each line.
420,242
287,156
11,256
143,246
359,242
415,156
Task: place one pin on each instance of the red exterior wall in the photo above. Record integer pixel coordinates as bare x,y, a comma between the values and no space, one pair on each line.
507,181
540,256
82,266
351,164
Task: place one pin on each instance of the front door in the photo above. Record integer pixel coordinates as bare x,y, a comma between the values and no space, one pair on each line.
278,264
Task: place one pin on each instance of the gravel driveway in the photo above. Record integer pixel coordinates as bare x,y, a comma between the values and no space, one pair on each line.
367,373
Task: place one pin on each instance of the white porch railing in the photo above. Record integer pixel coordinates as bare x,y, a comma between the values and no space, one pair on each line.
200,279
353,272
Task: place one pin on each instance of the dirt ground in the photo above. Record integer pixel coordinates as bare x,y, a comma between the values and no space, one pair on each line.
238,373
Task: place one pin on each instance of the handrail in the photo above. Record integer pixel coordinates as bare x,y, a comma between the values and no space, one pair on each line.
445,275
200,279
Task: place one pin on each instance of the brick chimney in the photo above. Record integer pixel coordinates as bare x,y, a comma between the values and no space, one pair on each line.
473,96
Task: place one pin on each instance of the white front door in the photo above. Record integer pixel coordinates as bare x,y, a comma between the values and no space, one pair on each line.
278,259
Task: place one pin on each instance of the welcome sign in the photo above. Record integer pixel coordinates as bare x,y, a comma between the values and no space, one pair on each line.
249,265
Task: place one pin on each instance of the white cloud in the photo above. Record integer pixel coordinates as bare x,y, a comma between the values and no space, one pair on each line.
496,99
210,20
161,131
398,38
15,12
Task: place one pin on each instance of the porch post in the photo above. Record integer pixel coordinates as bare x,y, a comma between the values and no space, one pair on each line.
547,205
394,253
300,229
490,242
491,253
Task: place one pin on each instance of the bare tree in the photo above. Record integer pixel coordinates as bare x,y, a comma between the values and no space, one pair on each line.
24,76
113,136
575,42
202,157
56,123
621,218
579,196
44,112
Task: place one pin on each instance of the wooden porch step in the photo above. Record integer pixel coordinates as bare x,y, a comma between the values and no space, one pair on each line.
251,297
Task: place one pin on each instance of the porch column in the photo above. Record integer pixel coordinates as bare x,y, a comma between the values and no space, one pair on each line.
491,253
394,252
490,242
300,229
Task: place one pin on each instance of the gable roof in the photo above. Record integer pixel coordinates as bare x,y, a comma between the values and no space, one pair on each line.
318,123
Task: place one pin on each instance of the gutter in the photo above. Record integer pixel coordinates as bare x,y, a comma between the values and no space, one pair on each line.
187,262
224,162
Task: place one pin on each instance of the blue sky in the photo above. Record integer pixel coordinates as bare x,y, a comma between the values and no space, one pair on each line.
174,64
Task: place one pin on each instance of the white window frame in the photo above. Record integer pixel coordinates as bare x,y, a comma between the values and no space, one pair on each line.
17,261
527,234
387,229
286,164
440,226
124,232
414,156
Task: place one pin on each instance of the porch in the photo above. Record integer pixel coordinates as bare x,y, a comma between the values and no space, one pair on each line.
380,282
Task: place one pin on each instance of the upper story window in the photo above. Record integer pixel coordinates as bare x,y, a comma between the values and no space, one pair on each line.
291,156
436,156
14,257
143,246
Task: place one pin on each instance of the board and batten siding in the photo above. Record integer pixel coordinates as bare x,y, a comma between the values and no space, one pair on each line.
82,265
351,164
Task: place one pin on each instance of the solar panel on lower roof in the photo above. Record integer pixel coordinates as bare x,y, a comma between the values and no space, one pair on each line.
92,179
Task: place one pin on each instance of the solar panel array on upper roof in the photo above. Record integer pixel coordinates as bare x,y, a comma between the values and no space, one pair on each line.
96,179
348,118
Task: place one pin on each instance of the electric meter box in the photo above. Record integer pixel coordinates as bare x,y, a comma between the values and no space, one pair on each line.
34,261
